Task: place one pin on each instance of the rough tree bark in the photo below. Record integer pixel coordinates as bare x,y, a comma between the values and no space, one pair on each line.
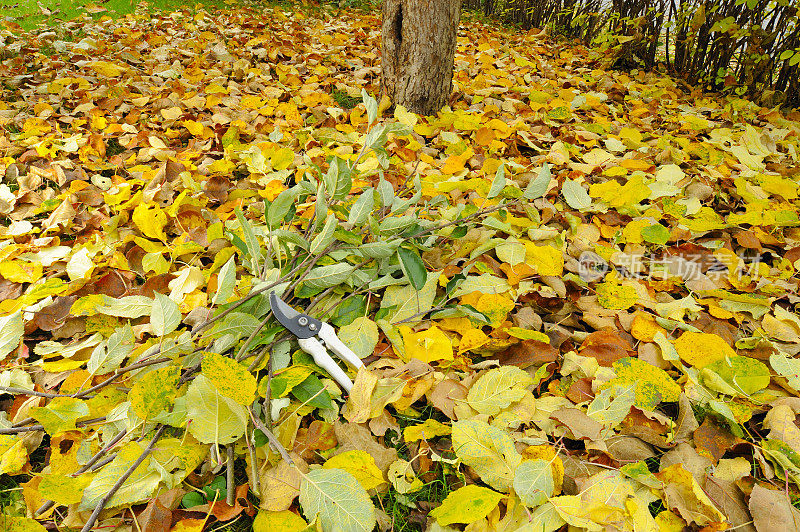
418,47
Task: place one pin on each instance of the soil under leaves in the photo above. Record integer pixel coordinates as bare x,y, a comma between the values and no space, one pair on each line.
607,338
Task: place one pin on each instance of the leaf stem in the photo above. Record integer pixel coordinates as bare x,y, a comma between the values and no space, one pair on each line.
118,484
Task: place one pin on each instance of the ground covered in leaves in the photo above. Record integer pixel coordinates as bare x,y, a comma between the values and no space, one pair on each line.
574,289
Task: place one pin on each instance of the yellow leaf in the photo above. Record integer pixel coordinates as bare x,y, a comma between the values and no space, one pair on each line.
546,260
359,405
644,327
466,505
150,221
13,454
360,464
456,163
699,349
194,127
232,379
527,334
402,477
472,339
285,521
494,306
432,344
685,495
19,271
430,428
107,68
404,116
615,296
172,113
653,385
282,158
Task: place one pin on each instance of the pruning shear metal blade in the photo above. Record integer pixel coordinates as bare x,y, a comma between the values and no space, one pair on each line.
301,325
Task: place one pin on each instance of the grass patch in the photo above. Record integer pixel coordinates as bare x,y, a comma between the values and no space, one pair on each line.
344,100
29,14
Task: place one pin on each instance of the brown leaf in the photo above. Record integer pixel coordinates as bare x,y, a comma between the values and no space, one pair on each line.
445,395
155,517
528,353
354,437
606,346
731,501
713,439
582,426
772,511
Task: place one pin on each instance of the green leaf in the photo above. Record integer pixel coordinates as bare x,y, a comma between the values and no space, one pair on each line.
226,281
538,186
407,300
338,181
126,307
489,450
611,405
744,375
320,204
231,378
349,309
164,316
253,247
60,414
239,324
575,195
326,276
498,183
280,208
511,252
362,207
137,487
11,331
497,389
337,500
313,393
289,237
361,336
466,505
213,418
379,250
371,105
655,234
413,267
386,193
533,482
109,355
325,237
397,224
788,368
786,54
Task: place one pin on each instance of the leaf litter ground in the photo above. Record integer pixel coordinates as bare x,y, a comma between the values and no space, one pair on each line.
574,288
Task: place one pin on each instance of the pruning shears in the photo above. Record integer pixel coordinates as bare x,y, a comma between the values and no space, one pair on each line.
308,330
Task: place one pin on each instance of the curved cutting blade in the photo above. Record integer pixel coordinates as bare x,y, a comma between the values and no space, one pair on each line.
299,324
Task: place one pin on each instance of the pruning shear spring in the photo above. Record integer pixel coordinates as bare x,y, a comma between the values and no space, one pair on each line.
307,330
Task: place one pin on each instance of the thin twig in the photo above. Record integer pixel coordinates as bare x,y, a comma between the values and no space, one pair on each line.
246,345
230,497
23,391
273,440
253,467
118,484
38,426
49,504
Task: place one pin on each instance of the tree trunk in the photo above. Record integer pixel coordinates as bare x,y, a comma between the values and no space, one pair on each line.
418,47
